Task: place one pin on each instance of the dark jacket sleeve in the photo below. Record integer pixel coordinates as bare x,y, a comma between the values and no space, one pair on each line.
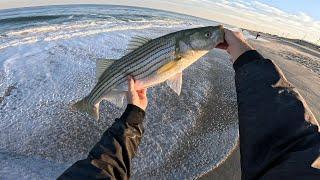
111,157
278,133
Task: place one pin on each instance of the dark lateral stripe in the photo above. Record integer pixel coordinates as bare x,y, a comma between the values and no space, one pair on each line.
120,67
97,90
136,59
133,57
142,49
112,81
166,55
116,80
154,69
136,54
122,80
125,59
158,63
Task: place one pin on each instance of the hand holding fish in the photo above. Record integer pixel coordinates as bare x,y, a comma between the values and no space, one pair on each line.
235,44
136,97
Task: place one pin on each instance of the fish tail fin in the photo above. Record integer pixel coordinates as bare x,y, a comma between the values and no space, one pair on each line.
84,106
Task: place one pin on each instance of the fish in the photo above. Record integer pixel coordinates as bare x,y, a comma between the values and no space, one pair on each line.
149,62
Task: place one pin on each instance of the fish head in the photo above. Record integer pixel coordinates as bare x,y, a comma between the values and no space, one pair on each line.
203,38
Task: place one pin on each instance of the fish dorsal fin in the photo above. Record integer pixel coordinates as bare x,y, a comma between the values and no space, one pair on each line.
136,42
175,83
102,65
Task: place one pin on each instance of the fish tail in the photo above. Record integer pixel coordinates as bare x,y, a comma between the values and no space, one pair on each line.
84,106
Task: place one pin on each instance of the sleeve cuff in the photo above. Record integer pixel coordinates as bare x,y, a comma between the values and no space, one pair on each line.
245,58
133,114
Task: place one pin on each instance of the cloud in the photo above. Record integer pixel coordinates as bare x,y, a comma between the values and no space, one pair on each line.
267,8
263,17
305,17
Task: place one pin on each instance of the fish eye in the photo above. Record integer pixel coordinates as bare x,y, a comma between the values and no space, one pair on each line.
208,34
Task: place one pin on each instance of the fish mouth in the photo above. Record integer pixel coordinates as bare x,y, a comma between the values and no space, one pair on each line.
220,39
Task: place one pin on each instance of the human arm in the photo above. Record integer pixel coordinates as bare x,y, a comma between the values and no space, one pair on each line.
277,137
111,157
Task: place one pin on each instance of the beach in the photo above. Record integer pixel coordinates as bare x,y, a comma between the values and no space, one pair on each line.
47,62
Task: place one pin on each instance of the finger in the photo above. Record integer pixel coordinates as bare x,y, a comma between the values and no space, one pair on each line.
142,93
228,35
138,85
130,84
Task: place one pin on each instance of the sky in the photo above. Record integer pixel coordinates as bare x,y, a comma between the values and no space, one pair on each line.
289,18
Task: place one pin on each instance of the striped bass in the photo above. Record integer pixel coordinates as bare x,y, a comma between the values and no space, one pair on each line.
150,62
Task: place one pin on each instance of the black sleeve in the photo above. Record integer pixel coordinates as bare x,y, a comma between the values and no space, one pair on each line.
111,157
278,133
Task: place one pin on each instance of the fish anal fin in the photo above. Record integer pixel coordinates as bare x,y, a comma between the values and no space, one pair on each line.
84,106
102,65
175,83
116,98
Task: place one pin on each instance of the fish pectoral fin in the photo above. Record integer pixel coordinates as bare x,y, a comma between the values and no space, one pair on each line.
102,65
175,83
116,98
136,42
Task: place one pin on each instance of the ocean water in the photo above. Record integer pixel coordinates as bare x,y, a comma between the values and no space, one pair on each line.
82,17
47,61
